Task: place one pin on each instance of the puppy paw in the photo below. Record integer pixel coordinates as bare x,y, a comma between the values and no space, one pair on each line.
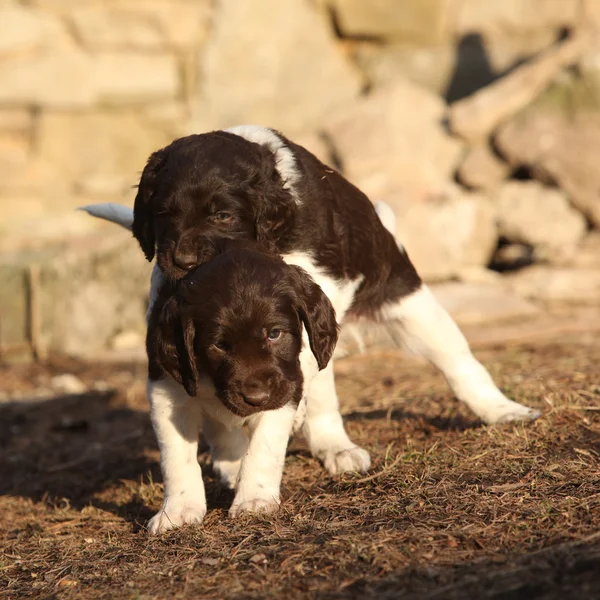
255,505
338,461
507,411
175,513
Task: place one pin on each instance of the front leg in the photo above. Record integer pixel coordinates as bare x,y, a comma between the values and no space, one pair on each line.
176,421
324,428
259,480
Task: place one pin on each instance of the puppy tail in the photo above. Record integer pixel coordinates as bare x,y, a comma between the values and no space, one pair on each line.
386,215
115,213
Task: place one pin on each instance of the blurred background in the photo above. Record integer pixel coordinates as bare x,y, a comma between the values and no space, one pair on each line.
478,121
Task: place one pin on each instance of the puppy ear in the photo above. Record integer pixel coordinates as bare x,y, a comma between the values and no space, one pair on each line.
317,315
170,345
143,222
274,206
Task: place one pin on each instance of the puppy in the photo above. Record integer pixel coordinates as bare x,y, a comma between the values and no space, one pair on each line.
225,349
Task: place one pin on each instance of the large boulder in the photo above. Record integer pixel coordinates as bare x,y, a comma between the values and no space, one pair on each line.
560,147
394,139
419,21
271,63
534,214
445,233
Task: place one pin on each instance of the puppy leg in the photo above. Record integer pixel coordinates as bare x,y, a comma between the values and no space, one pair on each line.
324,428
259,480
425,327
176,422
228,447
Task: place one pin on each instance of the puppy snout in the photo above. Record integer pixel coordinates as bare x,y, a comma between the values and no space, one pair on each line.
185,261
256,391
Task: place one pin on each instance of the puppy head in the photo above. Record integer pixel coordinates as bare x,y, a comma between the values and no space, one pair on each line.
204,187
237,321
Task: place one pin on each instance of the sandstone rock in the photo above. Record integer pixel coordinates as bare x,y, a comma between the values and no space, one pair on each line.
127,340
124,77
586,255
149,25
553,284
393,139
445,233
560,147
513,17
509,257
60,79
475,117
482,169
288,70
68,383
530,213
122,142
20,29
419,21
471,303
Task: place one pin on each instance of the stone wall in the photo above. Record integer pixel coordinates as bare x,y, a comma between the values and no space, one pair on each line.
88,88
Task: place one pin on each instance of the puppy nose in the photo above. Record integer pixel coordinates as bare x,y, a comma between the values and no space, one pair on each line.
185,261
255,392
256,399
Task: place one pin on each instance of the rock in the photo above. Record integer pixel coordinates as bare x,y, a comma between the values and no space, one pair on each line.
515,17
471,303
445,233
560,147
58,79
122,143
68,384
553,284
273,48
133,77
586,255
509,257
385,144
418,21
20,29
482,169
476,116
530,213
153,25
127,340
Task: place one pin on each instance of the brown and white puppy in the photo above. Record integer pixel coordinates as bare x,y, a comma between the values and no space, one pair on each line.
225,349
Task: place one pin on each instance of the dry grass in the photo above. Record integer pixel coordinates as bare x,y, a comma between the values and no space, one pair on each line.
452,509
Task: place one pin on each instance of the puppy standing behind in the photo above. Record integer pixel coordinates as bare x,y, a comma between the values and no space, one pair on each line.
231,333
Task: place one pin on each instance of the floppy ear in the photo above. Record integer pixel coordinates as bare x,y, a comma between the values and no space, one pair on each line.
170,345
274,207
318,316
143,222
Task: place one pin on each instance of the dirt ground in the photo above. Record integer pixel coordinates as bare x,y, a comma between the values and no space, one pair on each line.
451,509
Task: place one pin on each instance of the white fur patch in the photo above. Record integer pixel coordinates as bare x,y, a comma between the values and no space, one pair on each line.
340,293
426,328
387,216
284,157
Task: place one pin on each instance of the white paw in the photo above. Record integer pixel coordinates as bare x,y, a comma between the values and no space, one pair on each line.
338,461
227,471
508,411
175,513
255,505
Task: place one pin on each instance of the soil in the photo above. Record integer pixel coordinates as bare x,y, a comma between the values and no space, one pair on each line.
451,508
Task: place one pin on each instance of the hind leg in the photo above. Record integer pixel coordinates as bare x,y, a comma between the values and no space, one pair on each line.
425,327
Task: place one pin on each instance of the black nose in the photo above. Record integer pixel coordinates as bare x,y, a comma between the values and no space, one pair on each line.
185,261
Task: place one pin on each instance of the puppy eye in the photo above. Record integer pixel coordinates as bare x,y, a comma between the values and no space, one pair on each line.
223,216
221,345
274,334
